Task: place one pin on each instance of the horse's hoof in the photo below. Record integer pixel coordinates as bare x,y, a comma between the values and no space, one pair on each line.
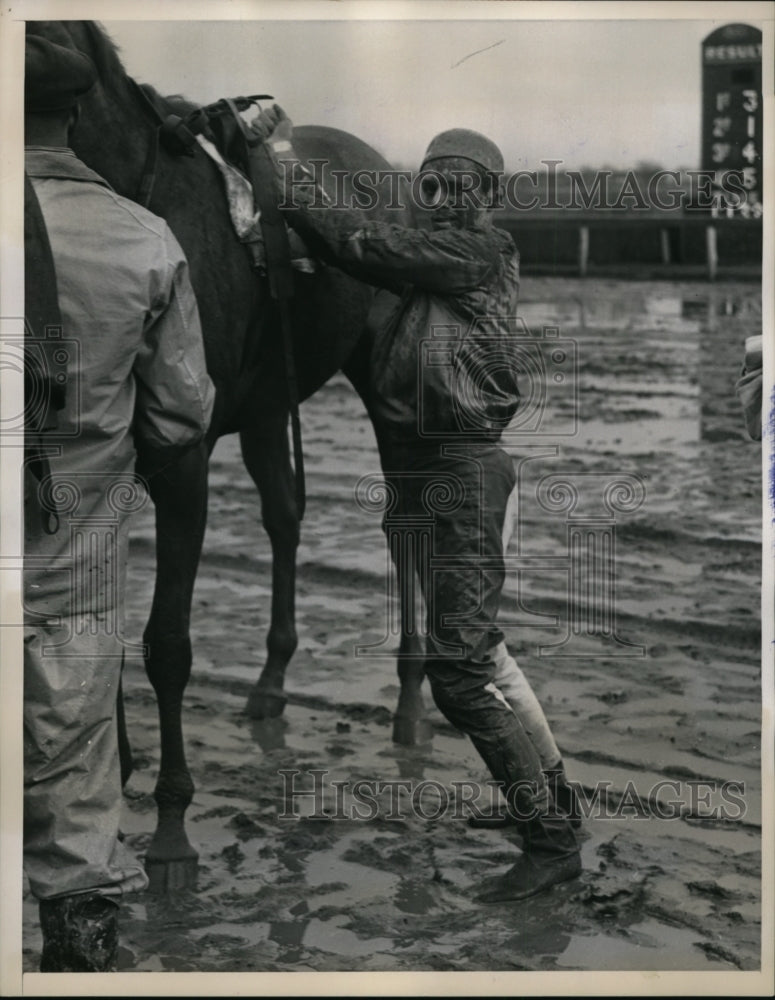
172,876
269,733
409,731
266,703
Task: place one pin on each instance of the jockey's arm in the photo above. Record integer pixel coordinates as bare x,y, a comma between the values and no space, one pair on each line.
386,254
381,253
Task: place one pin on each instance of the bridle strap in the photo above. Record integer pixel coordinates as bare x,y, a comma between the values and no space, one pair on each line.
148,178
178,135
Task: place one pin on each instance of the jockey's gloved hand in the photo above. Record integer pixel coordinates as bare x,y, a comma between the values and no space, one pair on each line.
295,184
272,125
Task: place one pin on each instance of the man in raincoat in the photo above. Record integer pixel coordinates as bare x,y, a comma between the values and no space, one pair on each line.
444,387
131,343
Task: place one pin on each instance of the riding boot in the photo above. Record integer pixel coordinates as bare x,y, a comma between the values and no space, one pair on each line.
564,794
80,933
550,853
464,692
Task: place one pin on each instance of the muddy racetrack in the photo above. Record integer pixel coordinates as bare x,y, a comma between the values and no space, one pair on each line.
673,700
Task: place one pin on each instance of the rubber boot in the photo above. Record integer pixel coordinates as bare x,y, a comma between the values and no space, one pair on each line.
80,933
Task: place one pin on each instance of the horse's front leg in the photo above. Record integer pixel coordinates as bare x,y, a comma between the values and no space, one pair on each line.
179,493
410,723
267,459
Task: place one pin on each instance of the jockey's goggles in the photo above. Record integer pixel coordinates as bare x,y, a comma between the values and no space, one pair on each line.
451,187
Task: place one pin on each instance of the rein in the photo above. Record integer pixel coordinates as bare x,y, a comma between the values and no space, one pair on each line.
178,136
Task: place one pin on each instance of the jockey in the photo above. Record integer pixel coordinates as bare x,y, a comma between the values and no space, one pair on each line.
136,383
444,387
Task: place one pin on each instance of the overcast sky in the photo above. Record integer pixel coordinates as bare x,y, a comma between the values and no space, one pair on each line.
589,93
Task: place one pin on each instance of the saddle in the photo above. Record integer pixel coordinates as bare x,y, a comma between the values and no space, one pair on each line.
226,143
244,165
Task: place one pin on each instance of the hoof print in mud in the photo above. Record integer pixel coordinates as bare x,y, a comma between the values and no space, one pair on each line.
610,896
613,697
233,855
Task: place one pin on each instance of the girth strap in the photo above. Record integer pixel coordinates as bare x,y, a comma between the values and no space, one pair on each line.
280,275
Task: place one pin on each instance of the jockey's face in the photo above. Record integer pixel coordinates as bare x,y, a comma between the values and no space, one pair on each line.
456,193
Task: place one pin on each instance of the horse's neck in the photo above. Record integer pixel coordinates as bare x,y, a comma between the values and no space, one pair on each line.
113,136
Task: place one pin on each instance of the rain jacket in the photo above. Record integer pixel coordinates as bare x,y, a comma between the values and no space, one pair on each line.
443,363
135,370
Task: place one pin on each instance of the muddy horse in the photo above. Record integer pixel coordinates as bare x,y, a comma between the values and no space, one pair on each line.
116,136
